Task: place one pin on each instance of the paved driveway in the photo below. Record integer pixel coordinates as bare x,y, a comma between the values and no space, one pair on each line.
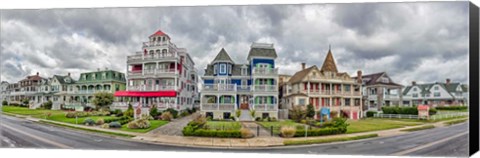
175,127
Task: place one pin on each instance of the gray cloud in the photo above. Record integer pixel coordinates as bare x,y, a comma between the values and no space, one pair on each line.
411,41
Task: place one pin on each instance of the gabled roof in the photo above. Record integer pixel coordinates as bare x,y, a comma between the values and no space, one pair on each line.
61,79
223,56
425,88
262,50
159,33
329,63
298,76
374,79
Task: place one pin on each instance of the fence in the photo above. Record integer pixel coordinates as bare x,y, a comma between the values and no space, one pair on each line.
432,117
400,116
448,115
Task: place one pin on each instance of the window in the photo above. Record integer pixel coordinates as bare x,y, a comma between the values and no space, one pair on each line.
244,71
215,69
347,102
229,69
414,89
301,101
222,69
436,94
415,95
435,88
244,82
104,75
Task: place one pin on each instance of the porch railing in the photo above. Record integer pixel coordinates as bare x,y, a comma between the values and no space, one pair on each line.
265,107
265,88
265,71
219,87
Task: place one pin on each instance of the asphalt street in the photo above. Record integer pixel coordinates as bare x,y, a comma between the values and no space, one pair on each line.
443,141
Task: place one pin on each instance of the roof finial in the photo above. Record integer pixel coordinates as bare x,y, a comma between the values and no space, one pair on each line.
329,46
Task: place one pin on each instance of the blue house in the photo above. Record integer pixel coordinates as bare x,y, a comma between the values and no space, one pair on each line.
230,86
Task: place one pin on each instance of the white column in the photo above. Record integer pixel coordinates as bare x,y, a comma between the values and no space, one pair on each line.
218,102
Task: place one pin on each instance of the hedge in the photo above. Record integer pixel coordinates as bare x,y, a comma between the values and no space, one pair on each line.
452,108
320,132
400,110
213,133
371,113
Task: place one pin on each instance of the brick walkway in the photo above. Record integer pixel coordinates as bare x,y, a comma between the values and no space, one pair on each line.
174,128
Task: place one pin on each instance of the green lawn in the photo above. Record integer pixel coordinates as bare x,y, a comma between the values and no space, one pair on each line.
278,124
223,125
374,124
153,125
30,112
62,118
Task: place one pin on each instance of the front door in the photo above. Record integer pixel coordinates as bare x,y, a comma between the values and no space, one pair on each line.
244,102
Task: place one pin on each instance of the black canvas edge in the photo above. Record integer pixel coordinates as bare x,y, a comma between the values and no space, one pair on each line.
474,79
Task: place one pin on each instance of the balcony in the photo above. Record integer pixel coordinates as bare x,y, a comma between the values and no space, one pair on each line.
219,88
209,106
91,91
140,57
265,71
265,88
243,88
265,107
156,43
150,88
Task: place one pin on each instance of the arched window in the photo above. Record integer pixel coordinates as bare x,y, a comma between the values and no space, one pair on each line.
158,52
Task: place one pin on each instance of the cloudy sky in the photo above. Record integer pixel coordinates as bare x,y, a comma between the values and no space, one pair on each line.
425,42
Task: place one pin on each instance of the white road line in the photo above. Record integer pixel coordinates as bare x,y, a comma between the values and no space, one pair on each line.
404,152
38,138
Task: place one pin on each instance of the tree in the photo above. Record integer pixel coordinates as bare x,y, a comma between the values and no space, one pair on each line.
129,111
310,111
297,113
4,103
102,100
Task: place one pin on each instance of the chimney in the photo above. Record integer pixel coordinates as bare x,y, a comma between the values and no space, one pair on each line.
38,73
448,81
98,69
359,76
414,83
303,66
69,74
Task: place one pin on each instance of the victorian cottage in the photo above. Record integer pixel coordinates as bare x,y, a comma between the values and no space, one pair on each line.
324,88
229,86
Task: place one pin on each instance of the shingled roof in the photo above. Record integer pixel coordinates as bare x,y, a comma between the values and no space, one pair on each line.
329,63
298,76
223,56
262,50
374,77
425,88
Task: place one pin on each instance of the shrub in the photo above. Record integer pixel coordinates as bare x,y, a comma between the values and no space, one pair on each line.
303,121
258,119
142,123
319,132
371,113
287,131
246,133
238,113
154,111
167,116
184,113
70,115
212,133
4,103
297,113
310,112
432,111
173,112
47,105
14,104
252,113
100,121
333,114
273,119
89,122
114,125
452,108
400,110
129,111
105,125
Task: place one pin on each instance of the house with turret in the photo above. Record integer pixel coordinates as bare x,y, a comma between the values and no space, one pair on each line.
252,86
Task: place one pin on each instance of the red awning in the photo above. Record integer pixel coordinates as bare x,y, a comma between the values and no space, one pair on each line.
145,94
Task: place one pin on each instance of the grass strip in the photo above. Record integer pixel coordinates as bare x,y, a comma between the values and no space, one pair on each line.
328,140
418,128
89,130
455,122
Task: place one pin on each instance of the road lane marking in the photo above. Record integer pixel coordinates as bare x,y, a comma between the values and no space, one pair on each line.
38,138
404,152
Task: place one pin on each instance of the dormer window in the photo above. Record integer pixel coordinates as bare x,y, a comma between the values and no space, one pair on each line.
414,89
244,71
223,69
435,88
104,75
94,76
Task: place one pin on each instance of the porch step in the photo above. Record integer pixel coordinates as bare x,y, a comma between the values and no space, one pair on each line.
245,116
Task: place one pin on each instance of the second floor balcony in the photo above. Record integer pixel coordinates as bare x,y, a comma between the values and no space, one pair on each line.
219,87
150,88
140,56
152,73
265,88
265,71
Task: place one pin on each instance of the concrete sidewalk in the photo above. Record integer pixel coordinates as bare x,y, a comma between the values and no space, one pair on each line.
234,142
